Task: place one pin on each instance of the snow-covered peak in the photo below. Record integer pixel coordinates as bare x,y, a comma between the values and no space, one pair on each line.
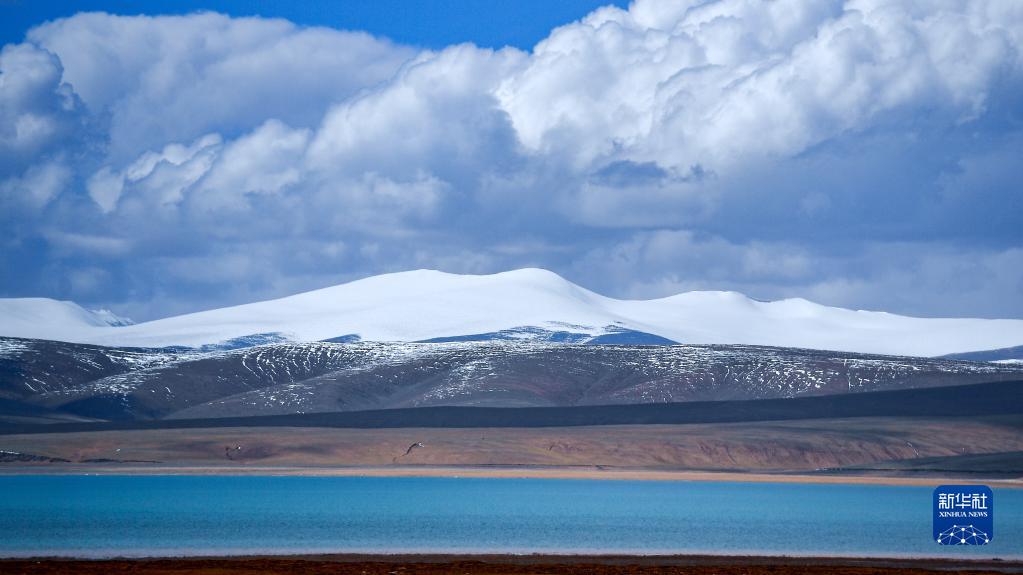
428,305
37,317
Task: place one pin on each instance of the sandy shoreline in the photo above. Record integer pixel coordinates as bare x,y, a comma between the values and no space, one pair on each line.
504,472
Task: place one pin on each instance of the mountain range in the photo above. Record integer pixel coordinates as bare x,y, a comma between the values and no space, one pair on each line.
525,304
45,381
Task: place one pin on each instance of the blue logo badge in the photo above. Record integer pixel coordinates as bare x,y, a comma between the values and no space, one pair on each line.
964,515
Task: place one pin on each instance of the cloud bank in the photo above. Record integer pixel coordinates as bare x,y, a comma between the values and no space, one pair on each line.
859,153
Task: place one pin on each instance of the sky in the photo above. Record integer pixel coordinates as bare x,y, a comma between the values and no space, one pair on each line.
158,158
432,24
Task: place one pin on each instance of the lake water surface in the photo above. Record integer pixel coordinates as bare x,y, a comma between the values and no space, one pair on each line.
202,515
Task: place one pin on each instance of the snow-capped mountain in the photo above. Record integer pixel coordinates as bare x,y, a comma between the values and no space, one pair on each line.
43,318
428,305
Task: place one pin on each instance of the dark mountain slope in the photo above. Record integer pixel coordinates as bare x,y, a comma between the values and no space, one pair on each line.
990,355
127,384
961,401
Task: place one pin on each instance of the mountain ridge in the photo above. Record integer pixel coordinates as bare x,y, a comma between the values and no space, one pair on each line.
46,380
429,305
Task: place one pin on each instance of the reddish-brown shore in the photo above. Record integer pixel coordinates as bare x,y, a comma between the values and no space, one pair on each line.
578,472
917,451
506,565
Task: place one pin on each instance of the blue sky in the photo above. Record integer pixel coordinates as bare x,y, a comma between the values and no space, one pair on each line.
427,23
158,158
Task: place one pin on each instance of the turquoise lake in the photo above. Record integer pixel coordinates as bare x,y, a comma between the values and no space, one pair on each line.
200,515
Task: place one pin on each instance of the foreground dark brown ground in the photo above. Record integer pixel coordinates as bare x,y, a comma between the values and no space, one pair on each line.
507,565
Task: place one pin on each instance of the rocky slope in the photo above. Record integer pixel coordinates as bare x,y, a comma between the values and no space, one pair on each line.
119,384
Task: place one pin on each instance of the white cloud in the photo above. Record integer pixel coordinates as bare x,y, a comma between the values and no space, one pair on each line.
39,185
714,144
437,114
37,110
925,279
174,78
719,83
663,262
163,176
73,244
716,85
267,160
922,278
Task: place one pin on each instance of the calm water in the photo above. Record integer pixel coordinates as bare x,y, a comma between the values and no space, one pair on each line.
97,516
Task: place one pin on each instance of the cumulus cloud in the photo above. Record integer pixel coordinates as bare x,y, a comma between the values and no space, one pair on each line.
36,188
718,82
175,78
38,111
265,161
163,175
787,148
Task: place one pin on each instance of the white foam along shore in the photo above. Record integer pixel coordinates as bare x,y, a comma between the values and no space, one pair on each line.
426,304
